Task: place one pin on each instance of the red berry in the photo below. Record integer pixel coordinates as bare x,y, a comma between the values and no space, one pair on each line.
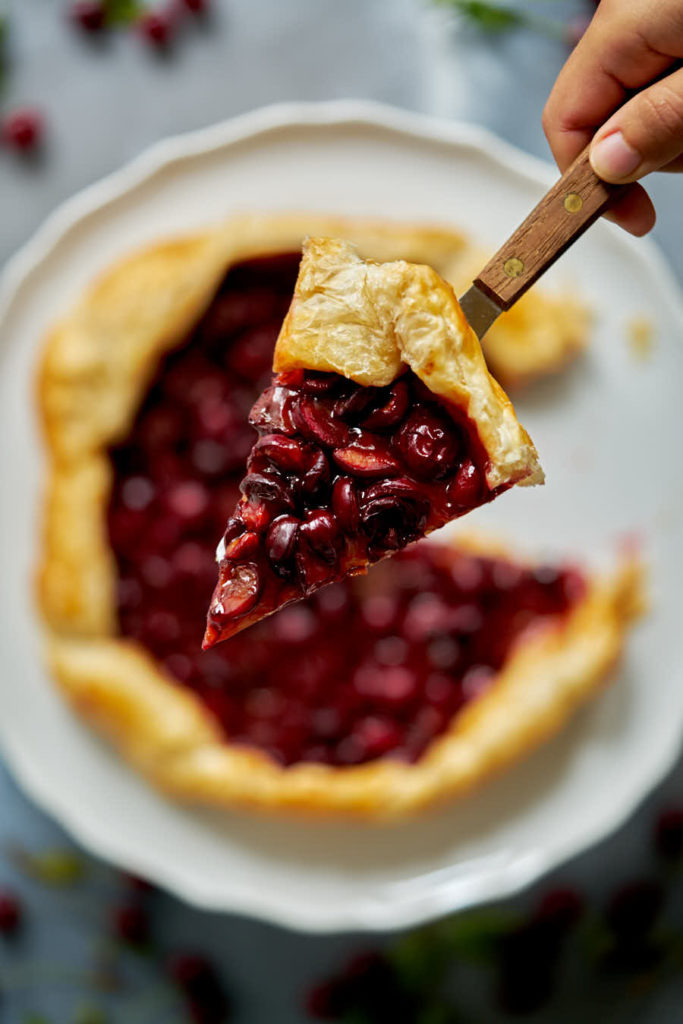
464,491
156,28
316,420
392,412
345,504
281,538
669,834
196,6
366,460
131,924
10,913
321,532
90,15
22,130
429,444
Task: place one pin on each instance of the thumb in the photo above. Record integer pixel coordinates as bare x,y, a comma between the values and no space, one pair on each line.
644,135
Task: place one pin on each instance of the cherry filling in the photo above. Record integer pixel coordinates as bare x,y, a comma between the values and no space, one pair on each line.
429,628
341,476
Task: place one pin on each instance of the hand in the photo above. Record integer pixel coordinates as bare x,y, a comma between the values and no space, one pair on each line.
629,45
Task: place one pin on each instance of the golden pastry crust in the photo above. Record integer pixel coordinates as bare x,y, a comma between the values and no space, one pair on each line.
369,321
96,367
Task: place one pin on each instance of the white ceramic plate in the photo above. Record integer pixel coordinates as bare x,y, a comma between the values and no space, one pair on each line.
609,434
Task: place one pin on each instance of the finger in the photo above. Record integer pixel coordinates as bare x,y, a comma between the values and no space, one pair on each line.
644,135
614,57
634,212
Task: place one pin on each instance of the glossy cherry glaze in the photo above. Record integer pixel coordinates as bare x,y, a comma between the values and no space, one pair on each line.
429,627
341,476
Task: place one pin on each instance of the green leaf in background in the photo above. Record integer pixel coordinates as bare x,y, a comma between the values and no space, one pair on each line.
487,16
52,867
497,18
122,12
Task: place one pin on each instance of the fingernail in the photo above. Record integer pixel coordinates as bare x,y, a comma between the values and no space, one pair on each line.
612,158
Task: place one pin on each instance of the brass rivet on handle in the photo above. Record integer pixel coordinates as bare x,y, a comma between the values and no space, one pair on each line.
573,202
513,267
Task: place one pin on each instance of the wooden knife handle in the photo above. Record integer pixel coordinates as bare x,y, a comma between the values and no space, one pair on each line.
564,213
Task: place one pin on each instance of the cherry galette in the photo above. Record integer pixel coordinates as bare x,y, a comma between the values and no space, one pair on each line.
374,696
382,425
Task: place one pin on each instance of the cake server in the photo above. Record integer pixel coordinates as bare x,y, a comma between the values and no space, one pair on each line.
563,214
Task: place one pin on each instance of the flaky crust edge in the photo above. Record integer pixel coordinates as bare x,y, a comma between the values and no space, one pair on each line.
370,320
115,685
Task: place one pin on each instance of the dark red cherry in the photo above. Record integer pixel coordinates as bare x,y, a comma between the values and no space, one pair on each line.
22,130
10,913
273,410
317,475
315,419
350,407
397,487
392,411
313,570
366,460
267,486
285,452
156,28
429,444
465,490
90,15
240,591
391,523
243,547
320,530
281,540
256,515
345,505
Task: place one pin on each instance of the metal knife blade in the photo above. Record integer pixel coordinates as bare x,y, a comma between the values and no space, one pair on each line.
480,311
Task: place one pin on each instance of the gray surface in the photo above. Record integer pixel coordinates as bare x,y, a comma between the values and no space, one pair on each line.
105,104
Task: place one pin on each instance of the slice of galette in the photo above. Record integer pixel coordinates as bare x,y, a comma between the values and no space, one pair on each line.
381,424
